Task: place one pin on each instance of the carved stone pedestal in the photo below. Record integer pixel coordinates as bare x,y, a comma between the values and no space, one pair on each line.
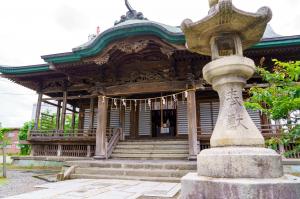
200,187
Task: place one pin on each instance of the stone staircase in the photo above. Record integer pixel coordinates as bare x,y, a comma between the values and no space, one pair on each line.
149,160
147,170
152,150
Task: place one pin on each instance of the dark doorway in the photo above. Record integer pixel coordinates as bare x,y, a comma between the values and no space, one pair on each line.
163,123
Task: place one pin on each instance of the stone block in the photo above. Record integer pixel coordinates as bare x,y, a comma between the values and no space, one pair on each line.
199,187
239,162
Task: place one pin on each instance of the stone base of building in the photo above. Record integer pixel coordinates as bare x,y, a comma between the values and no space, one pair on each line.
199,187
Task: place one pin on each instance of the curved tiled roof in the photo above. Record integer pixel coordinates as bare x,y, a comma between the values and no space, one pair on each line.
24,69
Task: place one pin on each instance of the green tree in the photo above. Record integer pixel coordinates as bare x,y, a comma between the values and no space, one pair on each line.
280,100
25,148
4,143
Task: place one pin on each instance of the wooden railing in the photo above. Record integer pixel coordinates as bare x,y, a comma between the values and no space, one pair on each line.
72,134
113,136
268,130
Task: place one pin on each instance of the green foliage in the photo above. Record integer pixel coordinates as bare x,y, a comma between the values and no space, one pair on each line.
279,99
283,94
48,121
3,139
25,148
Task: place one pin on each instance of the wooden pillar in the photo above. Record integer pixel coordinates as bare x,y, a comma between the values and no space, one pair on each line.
192,125
80,116
73,118
58,115
91,121
59,150
100,150
38,110
88,152
63,112
122,117
134,121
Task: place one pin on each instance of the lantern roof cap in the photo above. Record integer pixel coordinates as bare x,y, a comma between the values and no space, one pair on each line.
223,17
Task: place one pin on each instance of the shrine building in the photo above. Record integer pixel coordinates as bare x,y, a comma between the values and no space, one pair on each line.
134,82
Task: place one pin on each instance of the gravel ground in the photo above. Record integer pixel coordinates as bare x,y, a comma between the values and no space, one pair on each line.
20,181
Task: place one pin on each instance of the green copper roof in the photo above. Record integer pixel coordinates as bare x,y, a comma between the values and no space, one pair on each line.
24,69
126,29
278,42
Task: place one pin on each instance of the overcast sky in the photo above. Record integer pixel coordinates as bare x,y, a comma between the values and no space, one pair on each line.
33,28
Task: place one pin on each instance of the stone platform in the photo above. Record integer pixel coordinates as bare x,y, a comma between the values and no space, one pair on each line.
199,187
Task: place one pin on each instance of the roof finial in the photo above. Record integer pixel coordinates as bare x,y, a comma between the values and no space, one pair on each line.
212,2
131,14
128,6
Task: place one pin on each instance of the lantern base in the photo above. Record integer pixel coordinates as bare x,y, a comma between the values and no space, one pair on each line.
200,187
239,162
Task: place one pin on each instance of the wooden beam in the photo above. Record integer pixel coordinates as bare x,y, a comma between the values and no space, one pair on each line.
58,106
69,97
149,87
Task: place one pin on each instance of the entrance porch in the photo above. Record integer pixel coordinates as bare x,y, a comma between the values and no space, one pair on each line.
191,117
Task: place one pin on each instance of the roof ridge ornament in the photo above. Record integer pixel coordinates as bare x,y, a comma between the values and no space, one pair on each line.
131,14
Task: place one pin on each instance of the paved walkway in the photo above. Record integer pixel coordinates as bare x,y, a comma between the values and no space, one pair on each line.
102,189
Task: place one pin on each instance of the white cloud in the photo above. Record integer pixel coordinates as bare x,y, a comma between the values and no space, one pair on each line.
33,28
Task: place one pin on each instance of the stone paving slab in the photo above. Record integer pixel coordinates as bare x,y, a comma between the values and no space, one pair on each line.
102,189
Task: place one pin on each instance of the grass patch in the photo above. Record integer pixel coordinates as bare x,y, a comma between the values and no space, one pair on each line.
3,181
296,174
13,167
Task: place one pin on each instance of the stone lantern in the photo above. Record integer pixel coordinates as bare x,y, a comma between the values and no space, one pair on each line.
237,165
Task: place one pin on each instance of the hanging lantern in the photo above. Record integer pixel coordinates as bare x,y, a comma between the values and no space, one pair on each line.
185,94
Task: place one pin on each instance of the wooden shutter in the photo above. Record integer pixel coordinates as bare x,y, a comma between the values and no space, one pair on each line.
144,120
126,129
95,118
114,118
86,119
255,116
208,116
182,119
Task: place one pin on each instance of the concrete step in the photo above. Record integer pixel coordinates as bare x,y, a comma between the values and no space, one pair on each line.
151,146
149,151
143,178
150,156
137,164
158,142
132,172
